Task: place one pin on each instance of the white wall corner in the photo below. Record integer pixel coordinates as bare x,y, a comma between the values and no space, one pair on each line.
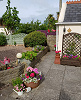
62,12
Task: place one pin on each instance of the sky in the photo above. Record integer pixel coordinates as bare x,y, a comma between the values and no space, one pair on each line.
32,9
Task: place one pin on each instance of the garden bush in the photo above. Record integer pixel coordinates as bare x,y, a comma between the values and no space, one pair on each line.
3,40
35,38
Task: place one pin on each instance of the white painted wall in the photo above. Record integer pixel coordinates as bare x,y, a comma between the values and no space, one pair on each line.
3,30
74,28
62,13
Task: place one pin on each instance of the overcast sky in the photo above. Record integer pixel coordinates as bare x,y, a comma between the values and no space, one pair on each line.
32,9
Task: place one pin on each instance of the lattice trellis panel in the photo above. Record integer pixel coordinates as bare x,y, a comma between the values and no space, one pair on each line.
69,38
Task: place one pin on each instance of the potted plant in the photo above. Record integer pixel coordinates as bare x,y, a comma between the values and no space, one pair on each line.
18,85
57,57
32,77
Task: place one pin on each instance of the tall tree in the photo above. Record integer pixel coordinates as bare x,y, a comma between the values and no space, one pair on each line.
10,18
50,22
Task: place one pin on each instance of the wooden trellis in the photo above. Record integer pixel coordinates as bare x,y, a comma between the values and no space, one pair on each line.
68,39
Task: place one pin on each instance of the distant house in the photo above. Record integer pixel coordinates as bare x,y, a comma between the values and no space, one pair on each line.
2,27
69,23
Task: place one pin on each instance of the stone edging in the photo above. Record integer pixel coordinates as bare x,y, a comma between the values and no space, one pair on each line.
6,76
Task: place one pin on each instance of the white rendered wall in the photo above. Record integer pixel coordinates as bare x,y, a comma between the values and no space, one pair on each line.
74,28
3,30
62,13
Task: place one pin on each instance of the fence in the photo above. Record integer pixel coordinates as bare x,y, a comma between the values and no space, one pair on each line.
18,38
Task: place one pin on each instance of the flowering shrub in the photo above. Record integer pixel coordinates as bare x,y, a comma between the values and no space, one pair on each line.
71,56
32,75
18,84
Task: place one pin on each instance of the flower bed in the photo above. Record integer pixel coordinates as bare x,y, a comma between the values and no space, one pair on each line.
70,62
6,76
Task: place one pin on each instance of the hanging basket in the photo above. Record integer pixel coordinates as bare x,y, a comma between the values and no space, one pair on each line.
32,84
57,59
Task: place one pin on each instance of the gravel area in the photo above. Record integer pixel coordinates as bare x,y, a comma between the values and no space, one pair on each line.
10,52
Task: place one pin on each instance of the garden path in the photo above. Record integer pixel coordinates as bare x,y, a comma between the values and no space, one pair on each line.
59,83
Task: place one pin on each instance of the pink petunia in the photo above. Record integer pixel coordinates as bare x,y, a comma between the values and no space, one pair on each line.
32,75
21,84
36,70
30,69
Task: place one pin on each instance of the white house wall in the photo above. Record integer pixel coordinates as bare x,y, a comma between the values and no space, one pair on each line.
3,30
62,12
74,28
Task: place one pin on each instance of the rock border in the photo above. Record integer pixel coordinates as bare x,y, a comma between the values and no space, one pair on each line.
6,76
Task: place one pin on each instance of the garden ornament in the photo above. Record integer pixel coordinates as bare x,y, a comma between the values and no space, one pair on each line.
6,61
19,56
28,89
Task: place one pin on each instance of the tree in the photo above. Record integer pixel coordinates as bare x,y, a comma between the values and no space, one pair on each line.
10,18
50,22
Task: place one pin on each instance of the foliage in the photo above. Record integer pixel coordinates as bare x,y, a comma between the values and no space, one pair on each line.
18,84
71,48
35,38
15,43
29,55
50,22
32,75
3,40
10,18
37,48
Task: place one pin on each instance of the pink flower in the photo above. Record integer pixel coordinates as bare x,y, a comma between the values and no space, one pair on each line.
36,70
21,84
79,58
30,69
32,75
17,88
26,75
53,30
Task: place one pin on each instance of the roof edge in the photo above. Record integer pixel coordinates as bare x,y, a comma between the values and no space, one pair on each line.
73,2
67,23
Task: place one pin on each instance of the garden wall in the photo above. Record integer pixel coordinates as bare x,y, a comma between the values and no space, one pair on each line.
6,76
51,41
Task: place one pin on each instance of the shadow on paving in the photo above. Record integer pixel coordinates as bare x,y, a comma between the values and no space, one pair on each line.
64,96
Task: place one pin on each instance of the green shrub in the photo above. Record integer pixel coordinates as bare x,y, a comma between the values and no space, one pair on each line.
35,38
3,40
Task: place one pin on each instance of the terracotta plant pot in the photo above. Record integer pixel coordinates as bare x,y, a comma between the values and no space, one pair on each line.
32,84
57,59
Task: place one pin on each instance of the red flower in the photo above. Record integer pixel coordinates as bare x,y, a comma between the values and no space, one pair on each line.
58,51
27,77
8,68
32,75
48,30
